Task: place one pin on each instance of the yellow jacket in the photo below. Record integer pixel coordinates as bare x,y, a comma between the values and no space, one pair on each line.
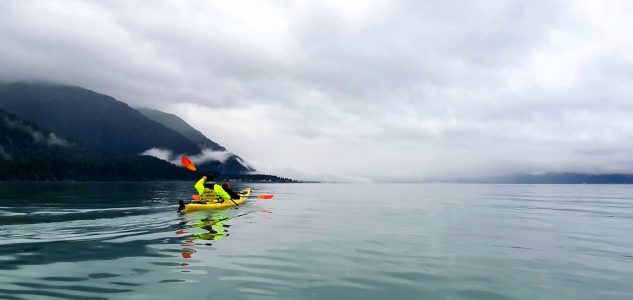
208,195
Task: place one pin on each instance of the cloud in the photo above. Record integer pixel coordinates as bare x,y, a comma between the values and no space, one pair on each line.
39,137
164,154
209,155
4,154
387,90
205,155
54,140
50,139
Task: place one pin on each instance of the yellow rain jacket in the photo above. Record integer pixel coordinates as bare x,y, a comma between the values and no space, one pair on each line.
209,195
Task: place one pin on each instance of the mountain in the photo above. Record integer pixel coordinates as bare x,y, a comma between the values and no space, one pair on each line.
554,178
96,120
111,126
567,178
28,152
233,164
179,125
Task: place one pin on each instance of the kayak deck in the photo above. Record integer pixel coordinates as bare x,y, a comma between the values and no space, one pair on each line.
191,207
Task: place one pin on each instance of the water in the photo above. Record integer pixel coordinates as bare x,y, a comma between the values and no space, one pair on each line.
318,241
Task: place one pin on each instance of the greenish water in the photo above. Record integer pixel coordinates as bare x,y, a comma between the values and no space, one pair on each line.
318,241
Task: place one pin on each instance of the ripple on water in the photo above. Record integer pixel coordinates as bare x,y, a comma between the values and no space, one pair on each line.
475,294
438,242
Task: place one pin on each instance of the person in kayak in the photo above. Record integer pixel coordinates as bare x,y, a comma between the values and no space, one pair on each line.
209,191
227,187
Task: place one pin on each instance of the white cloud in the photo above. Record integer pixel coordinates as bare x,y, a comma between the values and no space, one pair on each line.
209,155
381,89
164,154
4,154
38,137
206,155
54,140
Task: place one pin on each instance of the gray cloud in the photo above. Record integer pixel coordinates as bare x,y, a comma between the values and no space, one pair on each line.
370,89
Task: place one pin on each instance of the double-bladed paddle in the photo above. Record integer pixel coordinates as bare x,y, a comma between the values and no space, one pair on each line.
262,196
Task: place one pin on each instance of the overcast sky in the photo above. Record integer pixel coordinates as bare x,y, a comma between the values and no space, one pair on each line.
358,90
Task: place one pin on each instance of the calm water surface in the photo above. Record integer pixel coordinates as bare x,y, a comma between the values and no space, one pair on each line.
318,241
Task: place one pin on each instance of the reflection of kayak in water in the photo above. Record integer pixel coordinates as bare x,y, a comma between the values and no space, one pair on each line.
215,229
191,207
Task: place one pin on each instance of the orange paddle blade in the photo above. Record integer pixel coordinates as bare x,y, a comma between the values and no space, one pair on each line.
265,196
195,197
187,163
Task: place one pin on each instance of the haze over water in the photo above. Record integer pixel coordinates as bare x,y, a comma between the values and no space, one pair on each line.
317,241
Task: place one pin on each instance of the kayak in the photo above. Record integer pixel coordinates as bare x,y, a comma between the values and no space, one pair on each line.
191,207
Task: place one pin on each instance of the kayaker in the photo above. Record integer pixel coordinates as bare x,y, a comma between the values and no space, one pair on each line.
227,187
209,191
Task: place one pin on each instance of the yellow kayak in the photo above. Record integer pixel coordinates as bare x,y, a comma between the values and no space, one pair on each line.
191,207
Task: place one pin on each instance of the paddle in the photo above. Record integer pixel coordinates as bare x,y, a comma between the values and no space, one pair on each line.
189,165
263,196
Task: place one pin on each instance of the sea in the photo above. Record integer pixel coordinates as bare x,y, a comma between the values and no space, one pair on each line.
317,241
